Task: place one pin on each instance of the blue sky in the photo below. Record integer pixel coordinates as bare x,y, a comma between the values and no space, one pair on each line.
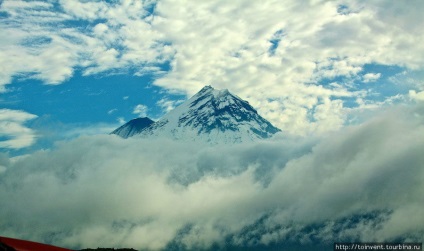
310,67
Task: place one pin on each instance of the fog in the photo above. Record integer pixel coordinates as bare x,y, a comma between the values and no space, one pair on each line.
362,183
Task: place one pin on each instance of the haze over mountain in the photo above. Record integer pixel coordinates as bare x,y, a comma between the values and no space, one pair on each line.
211,115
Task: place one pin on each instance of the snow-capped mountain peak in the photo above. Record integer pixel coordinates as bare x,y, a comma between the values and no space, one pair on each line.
214,116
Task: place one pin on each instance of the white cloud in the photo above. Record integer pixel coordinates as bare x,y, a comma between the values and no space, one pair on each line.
168,105
84,10
100,29
227,44
329,115
12,128
419,96
112,111
125,40
140,110
274,54
352,185
121,120
371,77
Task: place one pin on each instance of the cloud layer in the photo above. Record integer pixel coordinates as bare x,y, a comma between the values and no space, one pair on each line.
363,183
276,55
302,63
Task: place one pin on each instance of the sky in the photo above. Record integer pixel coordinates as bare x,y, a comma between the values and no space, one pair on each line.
309,67
343,80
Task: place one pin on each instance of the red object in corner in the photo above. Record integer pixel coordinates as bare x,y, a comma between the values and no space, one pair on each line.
21,245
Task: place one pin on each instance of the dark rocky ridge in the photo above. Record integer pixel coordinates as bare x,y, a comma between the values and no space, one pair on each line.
132,127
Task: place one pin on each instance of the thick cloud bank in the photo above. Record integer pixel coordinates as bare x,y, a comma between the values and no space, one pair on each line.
364,183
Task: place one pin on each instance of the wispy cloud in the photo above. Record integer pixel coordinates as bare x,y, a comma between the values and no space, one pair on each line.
13,132
353,185
168,105
112,111
371,77
140,110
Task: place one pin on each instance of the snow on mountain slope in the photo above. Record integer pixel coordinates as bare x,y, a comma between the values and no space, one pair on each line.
213,116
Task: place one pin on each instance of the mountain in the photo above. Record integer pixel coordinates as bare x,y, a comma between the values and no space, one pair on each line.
214,116
134,126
